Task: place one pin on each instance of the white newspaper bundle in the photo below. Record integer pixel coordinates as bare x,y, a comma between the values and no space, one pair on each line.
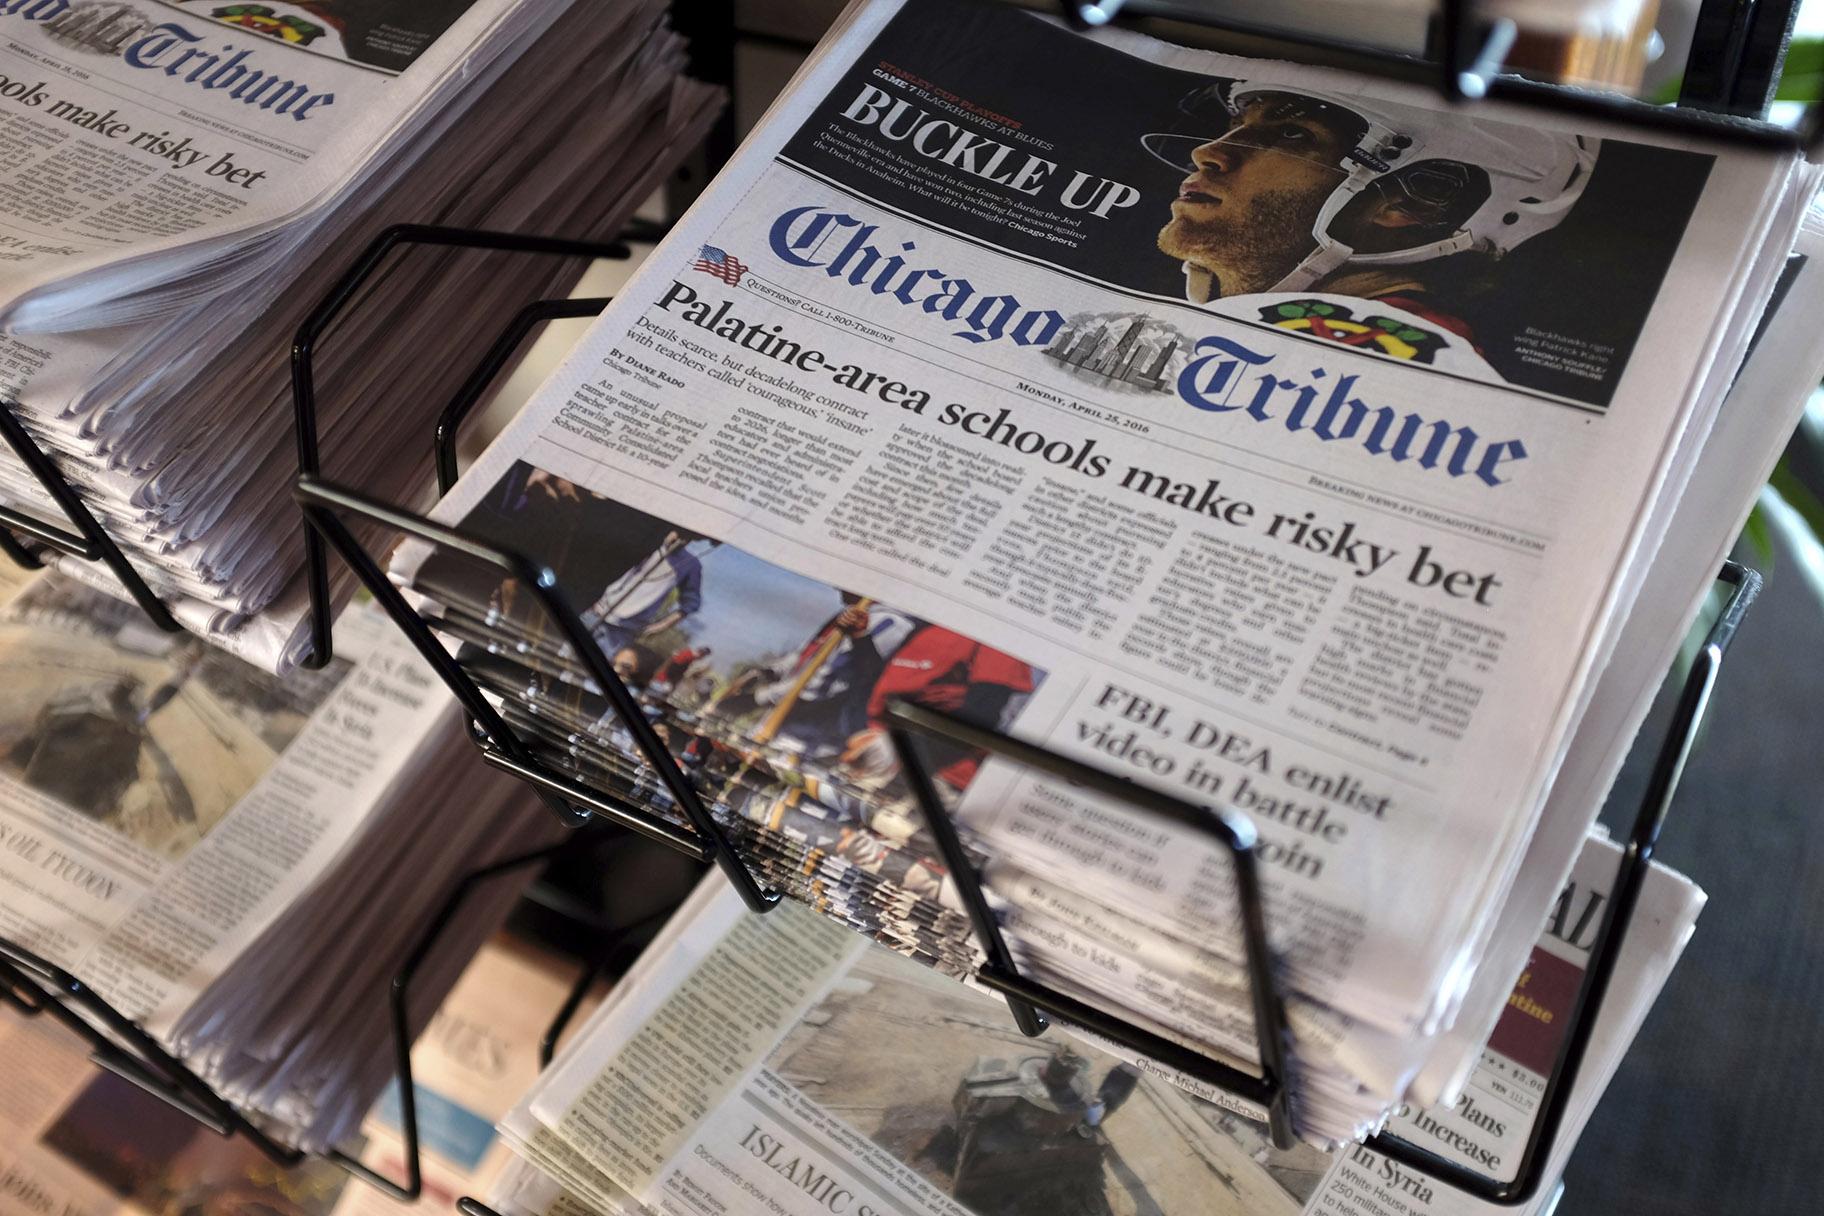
776,1063
1262,433
168,147
237,862
178,427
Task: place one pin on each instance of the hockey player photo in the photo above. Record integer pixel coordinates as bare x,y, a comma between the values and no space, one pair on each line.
1358,225
1463,242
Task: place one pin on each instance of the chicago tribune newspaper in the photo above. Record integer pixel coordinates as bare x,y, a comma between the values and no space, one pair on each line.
779,1064
177,428
1257,432
153,141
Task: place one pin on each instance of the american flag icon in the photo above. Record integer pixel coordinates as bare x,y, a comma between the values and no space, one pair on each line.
725,266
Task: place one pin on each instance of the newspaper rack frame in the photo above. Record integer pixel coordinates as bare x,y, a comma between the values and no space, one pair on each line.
324,503
323,316
1468,66
1026,998
89,542
574,802
1002,975
1232,832
30,984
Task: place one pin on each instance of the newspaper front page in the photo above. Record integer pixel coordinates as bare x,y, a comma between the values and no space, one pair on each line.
1135,415
161,801
876,1087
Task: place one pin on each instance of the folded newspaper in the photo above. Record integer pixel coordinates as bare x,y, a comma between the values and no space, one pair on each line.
776,1063
239,863
172,146
1261,433
185,181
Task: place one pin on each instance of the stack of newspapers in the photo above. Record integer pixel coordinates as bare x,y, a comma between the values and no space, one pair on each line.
778,1063
185,181
1270,436
239,863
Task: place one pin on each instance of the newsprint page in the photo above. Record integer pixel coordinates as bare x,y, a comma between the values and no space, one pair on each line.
161,801
135,127
1338,549
778,1064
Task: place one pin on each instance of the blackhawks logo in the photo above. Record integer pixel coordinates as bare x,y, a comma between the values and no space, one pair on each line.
1322,319
261,19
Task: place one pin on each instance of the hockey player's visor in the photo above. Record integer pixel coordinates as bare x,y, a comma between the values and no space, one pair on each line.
1410,208
1433,184
1284,123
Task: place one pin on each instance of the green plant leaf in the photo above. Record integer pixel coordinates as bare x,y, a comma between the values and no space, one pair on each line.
1758,533
1802,76
1798,496
1797,525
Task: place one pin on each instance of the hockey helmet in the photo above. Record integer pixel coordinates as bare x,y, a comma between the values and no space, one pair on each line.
1532,178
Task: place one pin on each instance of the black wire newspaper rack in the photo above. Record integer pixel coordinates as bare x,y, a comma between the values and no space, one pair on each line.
32,985
85,538
1733,63
326,505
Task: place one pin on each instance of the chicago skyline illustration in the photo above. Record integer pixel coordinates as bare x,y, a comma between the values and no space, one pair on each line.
1127,356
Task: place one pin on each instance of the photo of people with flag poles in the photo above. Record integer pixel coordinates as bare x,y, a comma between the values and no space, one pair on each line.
771,689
